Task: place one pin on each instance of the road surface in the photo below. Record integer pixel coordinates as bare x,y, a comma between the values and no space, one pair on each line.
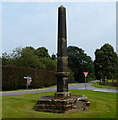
71,87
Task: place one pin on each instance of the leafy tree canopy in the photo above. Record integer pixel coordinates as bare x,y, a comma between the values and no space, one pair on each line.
106,63
30,57
79,62
42,52
27,51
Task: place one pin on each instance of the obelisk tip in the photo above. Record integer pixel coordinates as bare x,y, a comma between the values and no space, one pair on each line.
61,6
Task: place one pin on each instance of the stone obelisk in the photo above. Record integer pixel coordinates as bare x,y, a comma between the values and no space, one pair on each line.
62,59
62,101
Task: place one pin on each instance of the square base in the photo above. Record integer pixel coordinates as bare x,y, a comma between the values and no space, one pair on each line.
62,104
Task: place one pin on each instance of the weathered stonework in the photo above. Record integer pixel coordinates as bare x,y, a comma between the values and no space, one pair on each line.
62,59
62,104
62,101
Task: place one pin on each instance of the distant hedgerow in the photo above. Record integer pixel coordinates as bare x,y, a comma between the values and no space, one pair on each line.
13,77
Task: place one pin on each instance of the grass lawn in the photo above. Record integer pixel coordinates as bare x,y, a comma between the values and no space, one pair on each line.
103,86
103,105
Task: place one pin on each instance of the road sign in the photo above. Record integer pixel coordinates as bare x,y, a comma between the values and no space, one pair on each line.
28,77
29,80
85,74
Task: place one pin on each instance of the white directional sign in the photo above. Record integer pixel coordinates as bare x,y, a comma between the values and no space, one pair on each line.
85,74
29,80
28,77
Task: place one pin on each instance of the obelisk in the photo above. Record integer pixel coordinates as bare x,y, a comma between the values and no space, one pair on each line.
62,101
62,59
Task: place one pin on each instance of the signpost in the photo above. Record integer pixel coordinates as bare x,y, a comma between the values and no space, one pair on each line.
85,74
29,80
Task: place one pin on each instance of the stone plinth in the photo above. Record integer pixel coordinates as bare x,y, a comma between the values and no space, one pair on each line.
62,94
62,104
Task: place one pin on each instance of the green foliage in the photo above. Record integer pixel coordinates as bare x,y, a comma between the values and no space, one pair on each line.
49,63
27,51
30,57
71,76
106,63
42,52
16,53
13,77
79,62
6,59
10,59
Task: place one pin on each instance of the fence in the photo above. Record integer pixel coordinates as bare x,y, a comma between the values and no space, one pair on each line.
13,77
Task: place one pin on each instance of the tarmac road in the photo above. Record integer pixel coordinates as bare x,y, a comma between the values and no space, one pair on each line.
71,87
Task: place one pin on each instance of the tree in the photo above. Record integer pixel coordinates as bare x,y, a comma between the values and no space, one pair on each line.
6,59
9,59
29,57
106,63
16,53
79,62
42,52
28,51
49,63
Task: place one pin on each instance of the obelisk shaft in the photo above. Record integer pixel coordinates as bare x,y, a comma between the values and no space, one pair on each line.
62,72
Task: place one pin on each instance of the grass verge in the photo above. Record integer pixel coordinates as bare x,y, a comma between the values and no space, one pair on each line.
103,86
103,105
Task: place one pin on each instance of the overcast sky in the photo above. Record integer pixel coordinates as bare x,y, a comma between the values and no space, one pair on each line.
89,25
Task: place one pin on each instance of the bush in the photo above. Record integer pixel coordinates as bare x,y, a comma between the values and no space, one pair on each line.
13,77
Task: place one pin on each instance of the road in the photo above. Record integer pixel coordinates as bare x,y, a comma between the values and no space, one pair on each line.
71,87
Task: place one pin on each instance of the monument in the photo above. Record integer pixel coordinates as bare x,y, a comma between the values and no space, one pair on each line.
62,59
62,101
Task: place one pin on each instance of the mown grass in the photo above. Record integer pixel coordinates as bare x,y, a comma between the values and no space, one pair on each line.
103,86
103,105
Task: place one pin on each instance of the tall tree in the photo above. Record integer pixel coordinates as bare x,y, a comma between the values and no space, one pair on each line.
79,62
106,63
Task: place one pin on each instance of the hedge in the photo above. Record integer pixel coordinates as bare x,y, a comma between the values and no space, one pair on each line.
13,77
